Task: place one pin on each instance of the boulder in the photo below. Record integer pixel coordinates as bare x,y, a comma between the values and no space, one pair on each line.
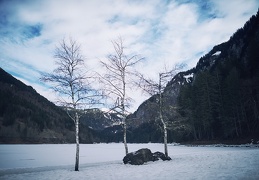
159,155
139,157
143,155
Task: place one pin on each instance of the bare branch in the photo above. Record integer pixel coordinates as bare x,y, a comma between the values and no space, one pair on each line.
118,68
115,80
72,84
68,79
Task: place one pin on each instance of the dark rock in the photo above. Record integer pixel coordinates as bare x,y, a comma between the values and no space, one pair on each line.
159,155
139,157
143,155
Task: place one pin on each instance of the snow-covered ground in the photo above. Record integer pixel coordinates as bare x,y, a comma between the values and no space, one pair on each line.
104,161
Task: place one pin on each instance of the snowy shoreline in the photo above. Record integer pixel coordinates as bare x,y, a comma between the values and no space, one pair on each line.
225,145
104,161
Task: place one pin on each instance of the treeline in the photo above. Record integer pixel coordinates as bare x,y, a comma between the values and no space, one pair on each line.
29,107
147,132
223,103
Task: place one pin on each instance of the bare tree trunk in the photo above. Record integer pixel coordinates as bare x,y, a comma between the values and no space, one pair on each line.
124,112
161,116
77,142
70,81
165,137
125,137
165,132
119,69
153,88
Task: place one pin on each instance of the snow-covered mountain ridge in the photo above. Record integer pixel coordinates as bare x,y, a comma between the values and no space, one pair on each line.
99,119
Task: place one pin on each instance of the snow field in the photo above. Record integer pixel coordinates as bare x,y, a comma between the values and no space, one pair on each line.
104,161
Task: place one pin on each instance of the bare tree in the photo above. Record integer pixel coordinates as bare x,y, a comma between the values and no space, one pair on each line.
116,80
72,84
151,87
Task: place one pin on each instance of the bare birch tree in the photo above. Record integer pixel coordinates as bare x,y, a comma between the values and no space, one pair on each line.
72,84
116,81
151,87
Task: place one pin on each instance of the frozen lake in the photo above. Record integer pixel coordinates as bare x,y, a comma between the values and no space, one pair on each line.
104,161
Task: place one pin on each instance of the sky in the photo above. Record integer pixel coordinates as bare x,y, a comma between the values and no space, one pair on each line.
164,32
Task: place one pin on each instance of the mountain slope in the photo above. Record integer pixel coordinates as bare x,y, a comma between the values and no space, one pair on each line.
99,119
216,100
27,117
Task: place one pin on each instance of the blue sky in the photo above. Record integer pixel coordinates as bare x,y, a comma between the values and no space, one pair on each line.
162,31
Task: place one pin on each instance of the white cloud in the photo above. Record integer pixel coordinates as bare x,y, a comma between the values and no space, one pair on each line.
161,31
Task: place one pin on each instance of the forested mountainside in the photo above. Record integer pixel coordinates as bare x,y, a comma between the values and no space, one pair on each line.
216,100
223,99
27,117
